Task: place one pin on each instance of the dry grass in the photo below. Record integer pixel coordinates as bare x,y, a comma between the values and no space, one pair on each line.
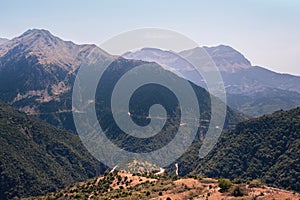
125,186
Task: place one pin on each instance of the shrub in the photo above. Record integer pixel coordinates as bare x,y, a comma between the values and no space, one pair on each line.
239,191
225,184
255,183
237,181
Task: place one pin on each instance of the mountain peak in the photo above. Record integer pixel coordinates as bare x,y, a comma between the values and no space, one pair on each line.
227,58
39,37
47,48
36,31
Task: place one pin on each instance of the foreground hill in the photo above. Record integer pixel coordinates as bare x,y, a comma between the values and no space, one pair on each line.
123,185
36,157
267,148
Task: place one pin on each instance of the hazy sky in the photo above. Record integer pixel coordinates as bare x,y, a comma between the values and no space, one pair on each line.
267,32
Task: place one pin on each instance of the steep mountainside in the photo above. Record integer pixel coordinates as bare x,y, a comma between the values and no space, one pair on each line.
139,105
266,148
36,158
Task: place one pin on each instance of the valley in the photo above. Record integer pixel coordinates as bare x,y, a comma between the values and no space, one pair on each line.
43,157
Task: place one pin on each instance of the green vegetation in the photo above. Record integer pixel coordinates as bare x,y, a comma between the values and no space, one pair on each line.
266,148
239,191
225,184
36,158
255,183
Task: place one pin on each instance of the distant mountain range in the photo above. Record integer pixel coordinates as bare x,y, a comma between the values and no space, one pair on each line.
250,89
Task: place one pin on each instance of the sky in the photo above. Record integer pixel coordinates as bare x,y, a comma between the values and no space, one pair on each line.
267,32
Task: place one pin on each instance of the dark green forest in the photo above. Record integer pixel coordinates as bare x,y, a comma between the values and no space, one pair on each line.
265,148
36,157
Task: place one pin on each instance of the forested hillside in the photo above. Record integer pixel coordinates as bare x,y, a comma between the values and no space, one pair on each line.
36,157
265,148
